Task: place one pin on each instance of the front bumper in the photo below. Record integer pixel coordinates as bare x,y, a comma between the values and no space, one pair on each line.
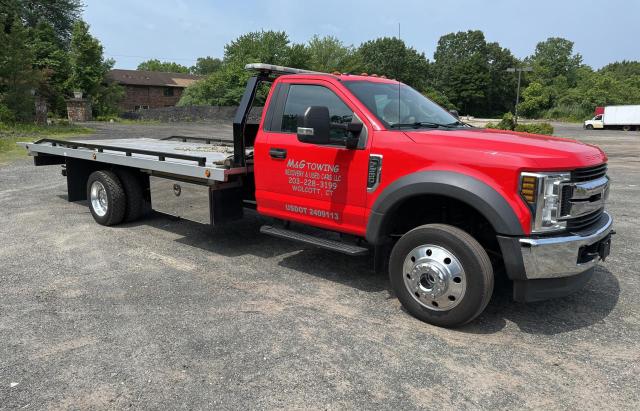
548,267
553,257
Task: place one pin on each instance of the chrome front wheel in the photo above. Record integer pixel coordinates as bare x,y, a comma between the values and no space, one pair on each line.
435,277
441,274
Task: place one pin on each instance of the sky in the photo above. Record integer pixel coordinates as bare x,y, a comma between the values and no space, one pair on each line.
181,31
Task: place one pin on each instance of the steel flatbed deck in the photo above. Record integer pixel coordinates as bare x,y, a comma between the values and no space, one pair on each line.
207,159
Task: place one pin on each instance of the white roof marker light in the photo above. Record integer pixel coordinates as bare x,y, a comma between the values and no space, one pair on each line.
278,70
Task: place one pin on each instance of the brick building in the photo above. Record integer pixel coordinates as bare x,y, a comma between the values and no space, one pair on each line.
150,89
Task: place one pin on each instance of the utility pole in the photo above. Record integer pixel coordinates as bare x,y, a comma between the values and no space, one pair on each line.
519,70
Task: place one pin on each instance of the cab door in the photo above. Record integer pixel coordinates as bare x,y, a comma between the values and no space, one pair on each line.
318,184
598,121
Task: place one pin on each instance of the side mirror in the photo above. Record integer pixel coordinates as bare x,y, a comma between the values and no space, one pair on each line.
313,127
353,135
455,114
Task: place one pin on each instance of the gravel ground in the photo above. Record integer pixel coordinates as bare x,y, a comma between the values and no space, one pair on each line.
168,314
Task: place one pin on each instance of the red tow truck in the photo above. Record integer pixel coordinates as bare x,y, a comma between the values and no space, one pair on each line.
363,164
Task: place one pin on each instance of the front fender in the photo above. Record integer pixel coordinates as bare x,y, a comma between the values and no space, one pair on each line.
477,194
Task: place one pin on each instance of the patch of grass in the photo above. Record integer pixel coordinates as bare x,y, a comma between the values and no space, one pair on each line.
10,134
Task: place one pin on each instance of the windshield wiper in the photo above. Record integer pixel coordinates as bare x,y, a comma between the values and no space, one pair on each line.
458,124
419,124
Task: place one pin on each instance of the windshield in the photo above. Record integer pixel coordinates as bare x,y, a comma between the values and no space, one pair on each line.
400,106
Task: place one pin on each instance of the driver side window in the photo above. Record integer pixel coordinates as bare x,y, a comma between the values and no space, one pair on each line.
302,96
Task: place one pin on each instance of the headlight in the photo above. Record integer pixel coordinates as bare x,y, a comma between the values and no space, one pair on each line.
543,192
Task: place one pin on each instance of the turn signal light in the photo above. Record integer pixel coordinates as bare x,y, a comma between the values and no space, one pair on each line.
528,188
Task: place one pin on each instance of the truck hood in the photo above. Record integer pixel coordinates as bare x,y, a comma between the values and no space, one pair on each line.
546,152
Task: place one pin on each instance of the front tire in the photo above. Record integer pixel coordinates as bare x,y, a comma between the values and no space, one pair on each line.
107,199
589,127
441,275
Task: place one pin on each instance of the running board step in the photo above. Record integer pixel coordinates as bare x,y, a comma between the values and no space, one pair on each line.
327,244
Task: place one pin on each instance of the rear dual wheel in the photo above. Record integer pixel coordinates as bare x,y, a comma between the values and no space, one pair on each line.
107,199
441,275
115,197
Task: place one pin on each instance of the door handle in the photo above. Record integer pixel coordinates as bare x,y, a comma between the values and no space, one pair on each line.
279,153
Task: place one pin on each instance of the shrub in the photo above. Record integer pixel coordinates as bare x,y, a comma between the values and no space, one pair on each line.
508,123
535,128
6,115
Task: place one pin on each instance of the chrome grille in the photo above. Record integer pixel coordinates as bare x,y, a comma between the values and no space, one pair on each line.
585,221
589,173
565,204
583,198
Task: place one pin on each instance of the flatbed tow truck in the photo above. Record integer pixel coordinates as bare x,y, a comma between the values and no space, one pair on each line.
373,167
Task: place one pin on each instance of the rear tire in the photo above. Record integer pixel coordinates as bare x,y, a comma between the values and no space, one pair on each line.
626,128
441,275
107,199
134,194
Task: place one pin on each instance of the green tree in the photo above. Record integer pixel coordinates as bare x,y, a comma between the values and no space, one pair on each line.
52,59
391,57
501,89
536,98
328,54
554,58
600,89
222,88
622,69
10,11
298,56
89,69
163,66
438,97
48,25
269,47
206,65
461,70
107,97
61,15
556,71
18,78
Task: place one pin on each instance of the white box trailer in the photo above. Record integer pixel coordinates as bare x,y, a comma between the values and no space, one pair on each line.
625,117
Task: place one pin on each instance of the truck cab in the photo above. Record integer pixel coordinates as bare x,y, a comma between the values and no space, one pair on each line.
362,164
373,158
597,122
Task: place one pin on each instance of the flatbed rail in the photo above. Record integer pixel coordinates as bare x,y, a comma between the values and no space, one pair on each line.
197,159
206,140
128,151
